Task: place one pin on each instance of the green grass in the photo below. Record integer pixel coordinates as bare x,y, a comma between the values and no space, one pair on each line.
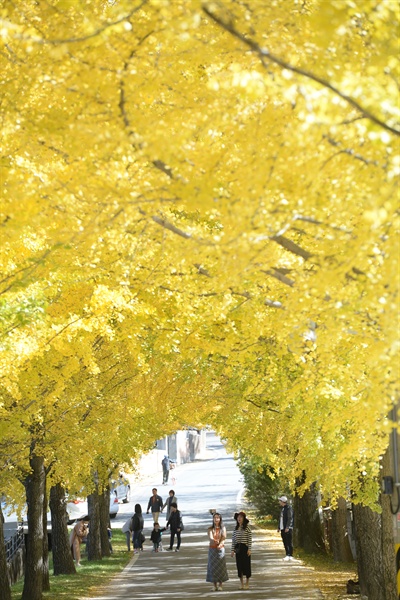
89,578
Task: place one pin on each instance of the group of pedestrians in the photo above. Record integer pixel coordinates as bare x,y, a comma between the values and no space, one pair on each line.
241,542
133,527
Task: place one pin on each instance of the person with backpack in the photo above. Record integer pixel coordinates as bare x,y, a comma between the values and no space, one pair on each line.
137,525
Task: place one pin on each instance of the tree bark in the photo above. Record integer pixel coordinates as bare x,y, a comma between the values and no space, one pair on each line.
368,545
94,541
35,486
104,506
5,588
46,576
63,563
341,549
388,542
307,523
375,553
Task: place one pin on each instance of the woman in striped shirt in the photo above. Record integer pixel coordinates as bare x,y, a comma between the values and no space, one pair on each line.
241,548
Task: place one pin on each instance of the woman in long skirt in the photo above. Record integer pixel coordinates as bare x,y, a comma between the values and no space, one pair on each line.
241,548
217,572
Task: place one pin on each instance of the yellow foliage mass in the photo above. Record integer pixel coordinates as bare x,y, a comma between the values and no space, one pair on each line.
199,217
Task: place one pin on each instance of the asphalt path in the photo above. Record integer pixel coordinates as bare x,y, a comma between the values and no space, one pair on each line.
213,483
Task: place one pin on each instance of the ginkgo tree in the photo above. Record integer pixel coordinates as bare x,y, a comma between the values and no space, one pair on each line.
200,209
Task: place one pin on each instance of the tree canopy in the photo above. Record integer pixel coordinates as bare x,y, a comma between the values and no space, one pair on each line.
199,224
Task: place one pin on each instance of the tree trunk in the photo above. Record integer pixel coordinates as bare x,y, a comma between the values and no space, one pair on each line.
104,509
388,542
94,542
368,546
34,486
307,523
5,588
375,553
63,563
341,549
46,577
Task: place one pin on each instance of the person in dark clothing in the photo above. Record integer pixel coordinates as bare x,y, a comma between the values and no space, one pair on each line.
286,527
156,536
137,528
241,548
175,524
155,504
165,468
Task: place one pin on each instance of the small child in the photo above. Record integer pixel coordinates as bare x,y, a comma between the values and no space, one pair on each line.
156,536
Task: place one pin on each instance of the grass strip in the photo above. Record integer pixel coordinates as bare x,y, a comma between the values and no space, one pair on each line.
89,578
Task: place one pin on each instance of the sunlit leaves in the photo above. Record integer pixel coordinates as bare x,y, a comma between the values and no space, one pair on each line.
193,227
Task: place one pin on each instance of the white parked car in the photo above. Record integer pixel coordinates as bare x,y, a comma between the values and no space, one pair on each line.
78,508
122,488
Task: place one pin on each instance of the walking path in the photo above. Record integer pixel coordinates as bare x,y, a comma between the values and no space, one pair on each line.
177,576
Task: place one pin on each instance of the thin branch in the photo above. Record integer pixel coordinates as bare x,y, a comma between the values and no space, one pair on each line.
171,227
291,246
279,276
262,406
348,151
265,54
90,35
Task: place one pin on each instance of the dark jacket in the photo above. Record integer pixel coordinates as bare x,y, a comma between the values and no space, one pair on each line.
137,522
156,535
174,520
155,506
287,513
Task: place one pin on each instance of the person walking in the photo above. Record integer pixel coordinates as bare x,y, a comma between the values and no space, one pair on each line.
77,535
155,504
156,537
171,498
241,548
165,463
175,524
137,528
286,527
127,530
216,567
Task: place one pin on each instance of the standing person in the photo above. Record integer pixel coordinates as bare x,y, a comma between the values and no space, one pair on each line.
156,536
76,537
171,498
286,527
127,530
155,504
165,469
241,547
216,567
137,528
175,524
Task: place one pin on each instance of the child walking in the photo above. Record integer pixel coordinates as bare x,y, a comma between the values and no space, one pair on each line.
156,537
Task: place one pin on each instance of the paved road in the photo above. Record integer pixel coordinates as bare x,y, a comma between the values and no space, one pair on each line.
200,486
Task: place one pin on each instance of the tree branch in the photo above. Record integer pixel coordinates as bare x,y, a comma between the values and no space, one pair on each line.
264,55
90,35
